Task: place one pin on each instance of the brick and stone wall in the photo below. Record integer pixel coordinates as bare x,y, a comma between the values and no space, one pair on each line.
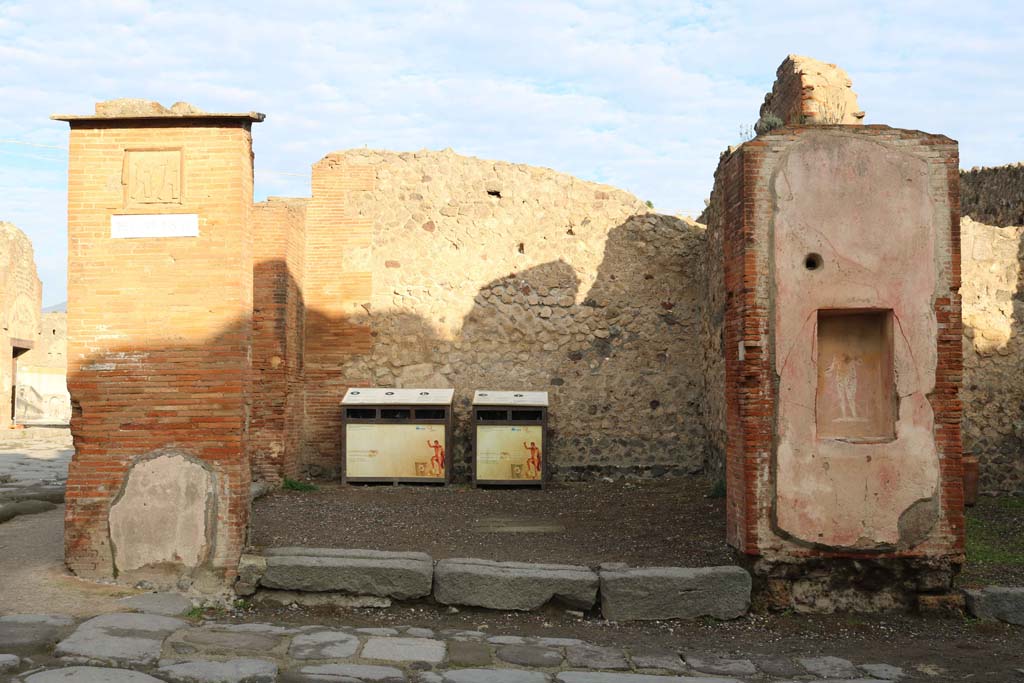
994,195
42,393
20,300
160,332
807,91
434,269
993,386
765,339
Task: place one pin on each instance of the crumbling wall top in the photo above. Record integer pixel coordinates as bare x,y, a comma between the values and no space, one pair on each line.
809,91
136,108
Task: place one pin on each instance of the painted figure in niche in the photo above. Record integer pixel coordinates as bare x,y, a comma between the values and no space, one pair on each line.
843,373
533,462
437,460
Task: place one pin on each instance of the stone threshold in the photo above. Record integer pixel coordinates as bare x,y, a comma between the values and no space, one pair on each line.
373,578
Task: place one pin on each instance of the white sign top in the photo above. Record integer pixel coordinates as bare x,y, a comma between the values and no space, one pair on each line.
154,225
510,398
380,396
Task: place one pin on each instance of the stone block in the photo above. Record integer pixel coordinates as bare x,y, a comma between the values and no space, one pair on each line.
231,671
405,650
28,633
90,674
348,672
674,593
997,602
119,639
513,585
323,645
402,576
493,676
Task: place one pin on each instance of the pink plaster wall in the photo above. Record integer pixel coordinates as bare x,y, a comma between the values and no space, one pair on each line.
867,209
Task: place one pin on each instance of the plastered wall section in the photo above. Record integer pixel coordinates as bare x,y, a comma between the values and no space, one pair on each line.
42,395
159,328
20,301
433,269
791,492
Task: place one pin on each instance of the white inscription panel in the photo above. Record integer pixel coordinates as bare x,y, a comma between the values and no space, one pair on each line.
154,225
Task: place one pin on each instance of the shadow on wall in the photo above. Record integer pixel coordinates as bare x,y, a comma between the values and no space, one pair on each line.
621,359
993,388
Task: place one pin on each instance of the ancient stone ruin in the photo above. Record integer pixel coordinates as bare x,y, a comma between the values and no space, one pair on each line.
840,327
20,302
803,347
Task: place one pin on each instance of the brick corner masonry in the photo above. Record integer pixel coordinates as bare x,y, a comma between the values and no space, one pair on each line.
624,593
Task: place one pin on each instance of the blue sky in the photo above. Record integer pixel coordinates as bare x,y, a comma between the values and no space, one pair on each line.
643,95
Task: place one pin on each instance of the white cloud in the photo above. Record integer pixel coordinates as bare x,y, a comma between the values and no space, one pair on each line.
643,95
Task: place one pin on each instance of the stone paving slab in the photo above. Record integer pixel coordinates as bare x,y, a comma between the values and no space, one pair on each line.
118,639
596,657
605,677
396,649
231,671
997,602
650,593
493,676
29,633
90,674
829,667
532,656
402,576
323,645
347,673
513,585
727,666
175,651
9,662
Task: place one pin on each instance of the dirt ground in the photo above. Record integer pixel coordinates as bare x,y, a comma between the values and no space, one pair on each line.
995,543
657,522
33,578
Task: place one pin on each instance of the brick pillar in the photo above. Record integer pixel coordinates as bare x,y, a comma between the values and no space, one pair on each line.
278,337
840,256
160,282
338,283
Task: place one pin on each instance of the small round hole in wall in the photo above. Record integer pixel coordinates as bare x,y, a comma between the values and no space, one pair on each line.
813,262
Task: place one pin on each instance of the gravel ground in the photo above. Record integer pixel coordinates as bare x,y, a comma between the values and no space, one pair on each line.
995,543
657,522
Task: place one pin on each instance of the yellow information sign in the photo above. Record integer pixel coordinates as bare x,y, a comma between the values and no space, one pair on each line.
509,452
395,451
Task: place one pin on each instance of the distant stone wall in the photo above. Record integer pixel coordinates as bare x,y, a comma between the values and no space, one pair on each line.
42,395
994,196
480,274
20,304
993,385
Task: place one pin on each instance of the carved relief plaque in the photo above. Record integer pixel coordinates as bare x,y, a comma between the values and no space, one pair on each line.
856,396
152,176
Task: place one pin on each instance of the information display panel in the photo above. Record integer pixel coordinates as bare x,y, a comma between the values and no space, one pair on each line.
510,438
509,452
396,451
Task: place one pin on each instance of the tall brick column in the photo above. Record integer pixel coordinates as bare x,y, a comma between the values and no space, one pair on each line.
839,251
160,300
